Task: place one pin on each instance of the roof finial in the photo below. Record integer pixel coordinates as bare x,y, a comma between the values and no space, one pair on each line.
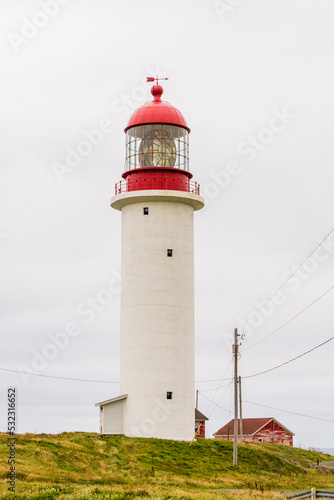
156,90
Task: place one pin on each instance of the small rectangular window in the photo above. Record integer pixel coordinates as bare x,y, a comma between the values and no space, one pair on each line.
169,395
169,252
145,210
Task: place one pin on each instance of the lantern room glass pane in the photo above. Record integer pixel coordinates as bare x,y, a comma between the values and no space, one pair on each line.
139,131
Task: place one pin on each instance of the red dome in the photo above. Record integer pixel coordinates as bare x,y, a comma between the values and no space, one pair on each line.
157,111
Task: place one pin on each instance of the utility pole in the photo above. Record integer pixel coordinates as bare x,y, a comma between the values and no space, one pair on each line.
197,399
240,407
235,440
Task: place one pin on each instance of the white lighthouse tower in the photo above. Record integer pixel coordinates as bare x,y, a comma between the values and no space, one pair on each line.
157,199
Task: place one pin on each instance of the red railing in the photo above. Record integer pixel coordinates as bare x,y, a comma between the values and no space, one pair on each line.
127,185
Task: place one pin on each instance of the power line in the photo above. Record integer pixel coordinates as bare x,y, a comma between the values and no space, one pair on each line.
228,411
284,283
290,360
213,380
217,404
289,321
292,412
61,378
100,381
90,380
216,388
220,383
272,333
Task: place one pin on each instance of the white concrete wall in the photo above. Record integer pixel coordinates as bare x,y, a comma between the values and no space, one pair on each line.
157,318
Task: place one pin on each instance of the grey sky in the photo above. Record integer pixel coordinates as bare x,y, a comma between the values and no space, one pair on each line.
254,80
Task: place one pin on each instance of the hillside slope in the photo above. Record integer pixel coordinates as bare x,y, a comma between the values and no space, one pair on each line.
84,466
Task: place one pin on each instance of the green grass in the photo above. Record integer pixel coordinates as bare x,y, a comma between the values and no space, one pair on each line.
87,466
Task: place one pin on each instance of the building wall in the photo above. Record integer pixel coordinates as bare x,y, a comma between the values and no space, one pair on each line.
201,433
273,433
112,417
157,319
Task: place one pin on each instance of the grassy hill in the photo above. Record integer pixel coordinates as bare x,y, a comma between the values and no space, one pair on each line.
86,466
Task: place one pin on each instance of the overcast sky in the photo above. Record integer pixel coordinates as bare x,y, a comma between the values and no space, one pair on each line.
254,80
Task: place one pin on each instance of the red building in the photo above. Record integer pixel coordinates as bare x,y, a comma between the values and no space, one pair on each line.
200,423
267,430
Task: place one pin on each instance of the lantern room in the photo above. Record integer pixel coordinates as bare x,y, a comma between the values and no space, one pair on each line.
157,145
157,149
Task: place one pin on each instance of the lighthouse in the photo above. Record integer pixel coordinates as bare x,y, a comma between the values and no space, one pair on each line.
157,198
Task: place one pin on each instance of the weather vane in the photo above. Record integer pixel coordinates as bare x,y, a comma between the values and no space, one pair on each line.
152,79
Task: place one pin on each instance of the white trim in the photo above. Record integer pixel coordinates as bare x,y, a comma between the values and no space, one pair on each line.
277,422
258,430
148,195
111,400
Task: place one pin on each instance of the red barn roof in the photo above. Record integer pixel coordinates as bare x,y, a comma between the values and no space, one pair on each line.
249,426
